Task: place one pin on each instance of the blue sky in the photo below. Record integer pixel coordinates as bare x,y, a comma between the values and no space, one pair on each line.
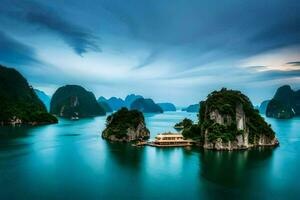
170,50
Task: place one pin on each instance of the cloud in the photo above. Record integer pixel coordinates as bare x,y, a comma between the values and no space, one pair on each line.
43,17
152,57
294,63
14,52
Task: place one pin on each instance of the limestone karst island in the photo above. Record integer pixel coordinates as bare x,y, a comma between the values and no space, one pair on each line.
149,100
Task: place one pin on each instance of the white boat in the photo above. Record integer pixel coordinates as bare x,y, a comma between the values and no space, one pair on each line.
170,140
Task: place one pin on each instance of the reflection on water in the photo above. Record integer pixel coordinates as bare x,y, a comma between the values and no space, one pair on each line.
232,169
70,160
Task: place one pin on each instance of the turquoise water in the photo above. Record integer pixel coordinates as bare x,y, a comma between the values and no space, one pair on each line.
70,160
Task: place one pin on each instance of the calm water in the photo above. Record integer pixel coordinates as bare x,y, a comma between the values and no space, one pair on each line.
69,160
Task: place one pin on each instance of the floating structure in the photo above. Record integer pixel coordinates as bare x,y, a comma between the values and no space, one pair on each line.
170,140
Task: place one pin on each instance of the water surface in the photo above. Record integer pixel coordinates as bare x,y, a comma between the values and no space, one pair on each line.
70,160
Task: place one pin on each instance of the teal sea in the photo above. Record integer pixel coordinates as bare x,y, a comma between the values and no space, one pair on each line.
70,160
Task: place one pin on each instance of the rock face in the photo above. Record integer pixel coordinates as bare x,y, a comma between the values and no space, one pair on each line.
125,126
263,107
192,108
228,121
167,106
18,102
73,101
285,104
146,106
44,98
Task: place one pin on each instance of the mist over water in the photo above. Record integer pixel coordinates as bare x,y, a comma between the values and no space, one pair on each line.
70,160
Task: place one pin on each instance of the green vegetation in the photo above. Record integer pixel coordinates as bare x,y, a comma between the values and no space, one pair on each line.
74,101
193,132
19,101
118,123
185,123
226,102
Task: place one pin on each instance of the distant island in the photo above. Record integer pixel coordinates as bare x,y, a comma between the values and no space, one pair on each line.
167,106
228,121
126,126
192,108
146,106
113,102
129,99
263,107
73,101
19,103
285,104
44,98
105,106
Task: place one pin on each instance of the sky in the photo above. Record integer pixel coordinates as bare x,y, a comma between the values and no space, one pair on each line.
170,50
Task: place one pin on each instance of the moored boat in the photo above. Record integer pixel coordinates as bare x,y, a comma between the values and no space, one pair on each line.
170,140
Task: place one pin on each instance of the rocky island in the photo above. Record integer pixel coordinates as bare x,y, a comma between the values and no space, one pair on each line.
73,101
285,104
228,121
126,126
19,103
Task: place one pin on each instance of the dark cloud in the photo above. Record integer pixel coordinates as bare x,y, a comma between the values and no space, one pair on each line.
294,63
234,29
275,74
43,17
14,52
262,67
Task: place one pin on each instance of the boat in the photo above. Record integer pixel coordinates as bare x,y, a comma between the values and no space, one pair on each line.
170,140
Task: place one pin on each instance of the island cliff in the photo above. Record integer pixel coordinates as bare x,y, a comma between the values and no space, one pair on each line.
18,102
73,101
125,126
228,121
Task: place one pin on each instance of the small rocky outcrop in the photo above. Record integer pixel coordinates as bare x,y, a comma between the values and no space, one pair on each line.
125,126
285,104
73,101
228,121
18,102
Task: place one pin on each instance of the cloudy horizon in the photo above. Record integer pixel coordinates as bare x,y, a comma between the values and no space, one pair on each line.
172,51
